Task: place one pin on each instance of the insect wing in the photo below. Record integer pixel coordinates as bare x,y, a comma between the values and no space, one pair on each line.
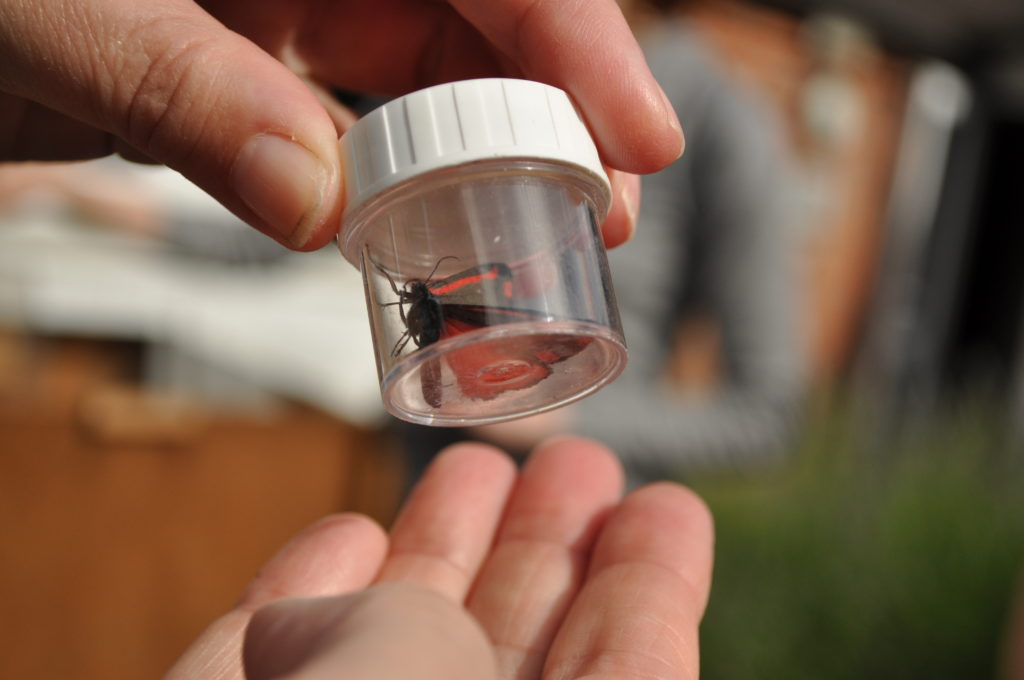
477,298
488,285
474,298
552,349
488,369
463,318
544,348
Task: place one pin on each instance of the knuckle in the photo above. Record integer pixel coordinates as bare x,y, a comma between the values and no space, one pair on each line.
166,74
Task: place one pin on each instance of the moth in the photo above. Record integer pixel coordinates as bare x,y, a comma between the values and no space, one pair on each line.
479,297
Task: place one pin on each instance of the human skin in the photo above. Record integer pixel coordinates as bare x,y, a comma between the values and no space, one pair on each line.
232,93
487,573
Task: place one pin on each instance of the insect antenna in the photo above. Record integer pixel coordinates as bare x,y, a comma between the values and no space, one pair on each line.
437,265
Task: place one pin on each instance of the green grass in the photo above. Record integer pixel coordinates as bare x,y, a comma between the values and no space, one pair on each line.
861,559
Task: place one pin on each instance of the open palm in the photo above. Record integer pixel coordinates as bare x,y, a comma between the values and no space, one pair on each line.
563,576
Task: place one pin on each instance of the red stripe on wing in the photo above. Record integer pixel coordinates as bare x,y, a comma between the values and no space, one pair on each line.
475,275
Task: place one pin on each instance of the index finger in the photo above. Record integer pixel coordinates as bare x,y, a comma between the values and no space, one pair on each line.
446,528
586,48
638,612
539,557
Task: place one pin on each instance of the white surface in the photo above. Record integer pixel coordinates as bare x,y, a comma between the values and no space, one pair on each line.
297,328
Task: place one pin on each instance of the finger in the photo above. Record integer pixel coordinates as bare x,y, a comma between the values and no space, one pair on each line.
538,561
447,526
357,635
620,224
402,45
638,612
342,116
587,48
179,87
335,555
582,46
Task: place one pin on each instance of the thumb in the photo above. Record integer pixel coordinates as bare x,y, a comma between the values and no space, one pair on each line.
174,83
387,631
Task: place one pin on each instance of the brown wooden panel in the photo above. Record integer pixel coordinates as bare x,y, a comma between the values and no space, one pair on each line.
115,555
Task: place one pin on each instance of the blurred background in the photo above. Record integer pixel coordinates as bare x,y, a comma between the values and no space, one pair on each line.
179,395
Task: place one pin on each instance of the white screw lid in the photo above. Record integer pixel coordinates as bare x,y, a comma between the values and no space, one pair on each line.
466,122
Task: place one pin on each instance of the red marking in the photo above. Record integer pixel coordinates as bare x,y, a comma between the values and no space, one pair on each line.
489,369
548,356
486,370
446,288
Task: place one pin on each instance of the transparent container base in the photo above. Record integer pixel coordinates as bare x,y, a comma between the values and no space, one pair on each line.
503,372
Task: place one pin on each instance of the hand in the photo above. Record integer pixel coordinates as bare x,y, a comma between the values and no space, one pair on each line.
486,574
202,88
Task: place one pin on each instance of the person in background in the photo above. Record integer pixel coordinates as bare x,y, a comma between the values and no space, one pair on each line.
716,250
714,265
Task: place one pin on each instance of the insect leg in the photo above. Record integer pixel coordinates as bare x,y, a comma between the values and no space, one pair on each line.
401,343
402,294
402,297
387,276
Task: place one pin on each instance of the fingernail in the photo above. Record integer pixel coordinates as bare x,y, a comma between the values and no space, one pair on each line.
281,181
673,120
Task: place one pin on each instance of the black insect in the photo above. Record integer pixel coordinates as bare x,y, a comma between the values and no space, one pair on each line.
432,309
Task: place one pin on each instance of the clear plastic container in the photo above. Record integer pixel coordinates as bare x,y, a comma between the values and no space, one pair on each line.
486,279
